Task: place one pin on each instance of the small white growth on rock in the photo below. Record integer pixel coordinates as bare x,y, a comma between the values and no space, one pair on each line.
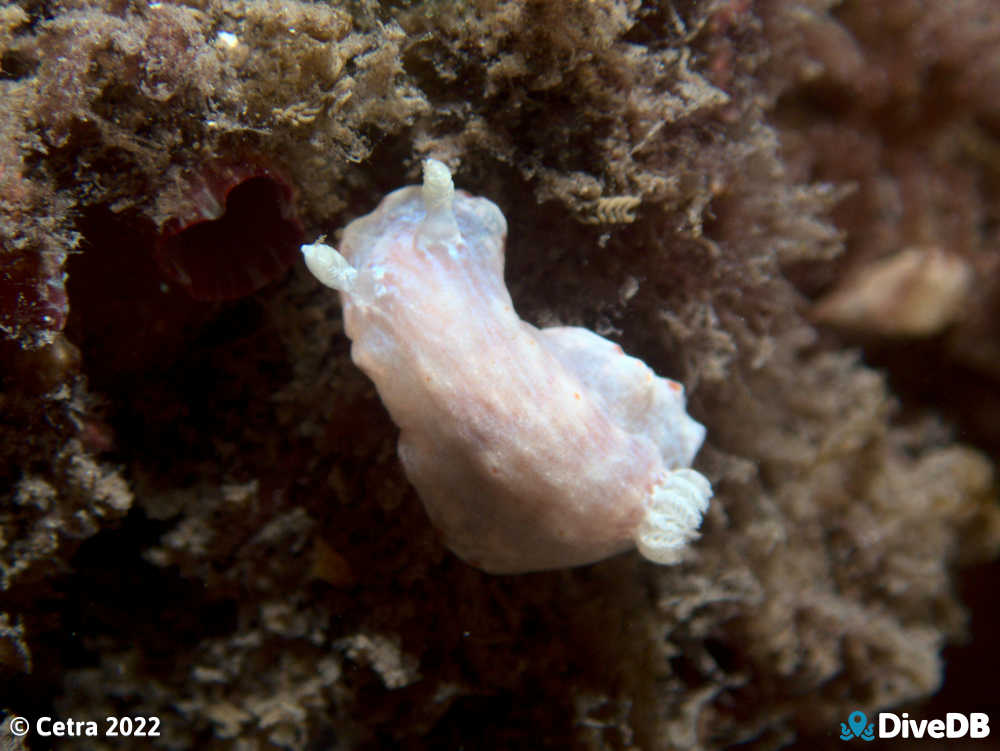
917,292
530,448
227,39
384,656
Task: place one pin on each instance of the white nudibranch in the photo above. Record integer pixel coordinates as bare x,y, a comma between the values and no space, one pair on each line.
530,448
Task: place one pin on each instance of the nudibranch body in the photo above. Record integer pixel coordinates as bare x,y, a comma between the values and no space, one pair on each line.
531,448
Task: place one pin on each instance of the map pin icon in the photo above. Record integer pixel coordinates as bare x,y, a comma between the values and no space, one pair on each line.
857,721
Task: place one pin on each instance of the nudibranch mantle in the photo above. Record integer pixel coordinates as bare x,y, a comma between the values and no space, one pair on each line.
530,448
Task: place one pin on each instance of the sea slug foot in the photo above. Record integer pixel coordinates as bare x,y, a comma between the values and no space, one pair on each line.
673,516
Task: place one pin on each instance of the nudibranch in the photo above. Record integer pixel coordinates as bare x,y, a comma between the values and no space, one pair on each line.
530,448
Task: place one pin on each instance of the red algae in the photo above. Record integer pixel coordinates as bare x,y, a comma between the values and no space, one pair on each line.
237,232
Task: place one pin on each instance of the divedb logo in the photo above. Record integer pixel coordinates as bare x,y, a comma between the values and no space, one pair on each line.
954,725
